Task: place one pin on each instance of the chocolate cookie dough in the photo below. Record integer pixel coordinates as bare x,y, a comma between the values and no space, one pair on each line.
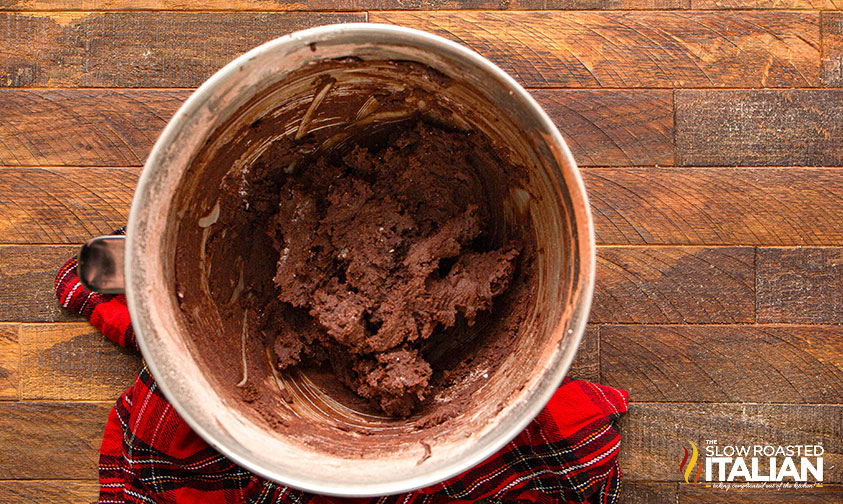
381,248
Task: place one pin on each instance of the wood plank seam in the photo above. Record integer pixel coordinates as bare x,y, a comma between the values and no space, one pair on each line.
755,269
659,48
439,6
723,403
10,370
20,358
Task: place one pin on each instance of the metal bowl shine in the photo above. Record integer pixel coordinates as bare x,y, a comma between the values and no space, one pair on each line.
554,200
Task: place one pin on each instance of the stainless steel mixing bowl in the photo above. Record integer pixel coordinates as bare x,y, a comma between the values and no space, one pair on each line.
177,190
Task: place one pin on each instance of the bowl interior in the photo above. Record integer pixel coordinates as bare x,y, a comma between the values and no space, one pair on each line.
320,438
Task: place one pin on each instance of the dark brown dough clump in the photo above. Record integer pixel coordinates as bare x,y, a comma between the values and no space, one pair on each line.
379,249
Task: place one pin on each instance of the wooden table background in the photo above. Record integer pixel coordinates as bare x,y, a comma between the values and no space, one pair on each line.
710,134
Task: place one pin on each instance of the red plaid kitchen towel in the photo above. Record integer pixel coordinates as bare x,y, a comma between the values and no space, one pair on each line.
150,455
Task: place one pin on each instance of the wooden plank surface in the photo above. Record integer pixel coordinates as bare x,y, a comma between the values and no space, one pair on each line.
52,491
766,4
655,433
51,440
636,49
640,492
63,205
674,285
335,5
73,361
9,361
604,128
375,5
694,256
83,127
359,5
800,286
116,127
586,364
832,48
139,49
631,206
724,363
28,273
634,285
717,206
128,5
613,127
759,127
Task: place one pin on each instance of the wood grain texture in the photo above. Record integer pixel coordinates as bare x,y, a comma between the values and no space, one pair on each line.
832,48
674,285
717,206
639,492
375,5
27,273
108,127
354,5
52,491
129,5
632,206
73,361
51,440
800,286
63,205
10,362
613,127
677,317
654,434
759,127
335,5
636,49
137,49
828,494
724,363
586,365
83,127
766,4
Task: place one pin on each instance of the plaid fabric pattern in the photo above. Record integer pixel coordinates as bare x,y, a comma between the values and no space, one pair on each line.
150,455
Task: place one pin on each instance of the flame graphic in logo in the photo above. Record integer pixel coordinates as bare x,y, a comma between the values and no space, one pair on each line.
691,464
